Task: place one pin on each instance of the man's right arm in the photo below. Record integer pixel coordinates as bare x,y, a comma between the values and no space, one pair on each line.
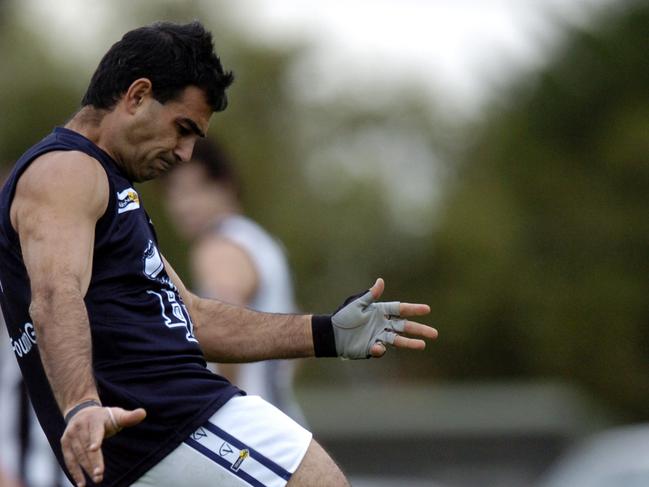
57,203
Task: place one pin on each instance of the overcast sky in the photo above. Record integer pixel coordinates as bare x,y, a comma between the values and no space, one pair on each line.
460,49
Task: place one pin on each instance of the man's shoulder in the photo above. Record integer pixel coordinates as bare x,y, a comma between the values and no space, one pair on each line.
64,176
74,161
65,168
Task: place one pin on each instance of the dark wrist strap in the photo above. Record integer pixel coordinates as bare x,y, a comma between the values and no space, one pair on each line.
324,341
82,405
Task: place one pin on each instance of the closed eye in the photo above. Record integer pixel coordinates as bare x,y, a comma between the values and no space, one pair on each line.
184,131
186,126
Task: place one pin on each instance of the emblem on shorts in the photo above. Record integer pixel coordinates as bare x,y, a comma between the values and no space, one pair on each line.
127,200
225,449
243,454
199,434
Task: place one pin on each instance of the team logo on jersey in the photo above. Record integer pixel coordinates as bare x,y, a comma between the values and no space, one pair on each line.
127,200
243,454
152,261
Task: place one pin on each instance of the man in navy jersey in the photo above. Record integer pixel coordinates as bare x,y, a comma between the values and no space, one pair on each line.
111,345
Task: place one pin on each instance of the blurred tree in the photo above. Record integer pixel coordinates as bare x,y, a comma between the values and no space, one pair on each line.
540,262
35,93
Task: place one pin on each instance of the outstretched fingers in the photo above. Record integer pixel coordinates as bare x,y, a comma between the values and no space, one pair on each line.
118,419
417,329
80,445
128,419
378,288
410,309
414,329
405,309
409,343
95,466
416,332
73,465
378,349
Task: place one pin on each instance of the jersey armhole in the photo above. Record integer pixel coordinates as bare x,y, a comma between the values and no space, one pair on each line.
105,221
12,182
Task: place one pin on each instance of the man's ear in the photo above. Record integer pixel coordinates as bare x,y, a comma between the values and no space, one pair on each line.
139,90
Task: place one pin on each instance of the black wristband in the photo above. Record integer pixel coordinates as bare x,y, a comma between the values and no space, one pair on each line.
324,342
82,405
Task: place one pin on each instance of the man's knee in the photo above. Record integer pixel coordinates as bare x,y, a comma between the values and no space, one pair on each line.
317,469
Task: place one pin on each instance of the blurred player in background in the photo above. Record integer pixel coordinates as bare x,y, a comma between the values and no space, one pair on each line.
26,459
233,259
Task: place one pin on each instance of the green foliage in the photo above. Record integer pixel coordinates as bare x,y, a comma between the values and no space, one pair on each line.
35,94
541,259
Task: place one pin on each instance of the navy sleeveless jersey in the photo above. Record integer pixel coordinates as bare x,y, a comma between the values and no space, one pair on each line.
144,351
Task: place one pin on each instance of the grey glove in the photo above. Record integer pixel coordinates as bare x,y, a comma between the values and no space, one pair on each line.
357,325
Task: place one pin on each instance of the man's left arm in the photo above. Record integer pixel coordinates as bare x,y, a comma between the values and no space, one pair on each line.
360,328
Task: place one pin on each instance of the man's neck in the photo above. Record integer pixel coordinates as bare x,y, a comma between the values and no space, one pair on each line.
94,125
88,122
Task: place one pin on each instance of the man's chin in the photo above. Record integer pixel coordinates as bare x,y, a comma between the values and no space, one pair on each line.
149,175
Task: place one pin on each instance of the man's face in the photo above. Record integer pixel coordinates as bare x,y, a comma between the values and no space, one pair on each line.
163,135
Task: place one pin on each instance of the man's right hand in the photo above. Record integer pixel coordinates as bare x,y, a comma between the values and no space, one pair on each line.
84,434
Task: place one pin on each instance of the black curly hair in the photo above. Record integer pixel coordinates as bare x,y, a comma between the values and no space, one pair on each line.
172,56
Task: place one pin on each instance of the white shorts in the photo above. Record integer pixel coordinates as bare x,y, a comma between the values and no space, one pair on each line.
248,442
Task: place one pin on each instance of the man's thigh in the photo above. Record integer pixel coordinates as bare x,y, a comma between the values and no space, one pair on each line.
318,470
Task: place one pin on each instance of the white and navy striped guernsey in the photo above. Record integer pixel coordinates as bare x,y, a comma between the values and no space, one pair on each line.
270,379
144,351
25,454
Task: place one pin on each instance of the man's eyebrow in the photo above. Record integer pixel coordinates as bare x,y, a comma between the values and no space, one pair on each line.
193,126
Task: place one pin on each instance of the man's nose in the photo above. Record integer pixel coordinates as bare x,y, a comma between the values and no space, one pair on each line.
184,149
